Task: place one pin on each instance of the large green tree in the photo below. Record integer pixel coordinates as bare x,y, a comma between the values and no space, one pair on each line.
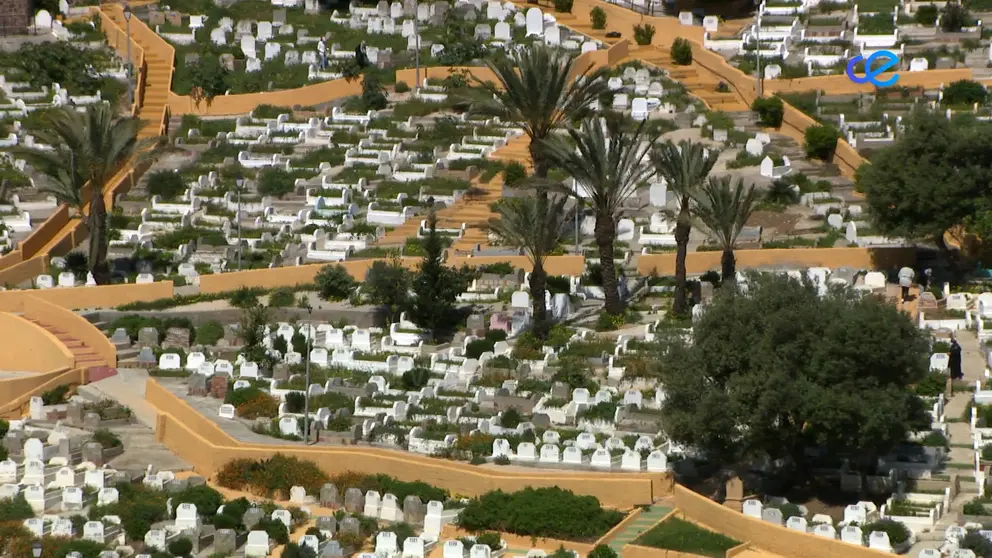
436,287
609,164
775,368
89,147
684,167
938,175
536,226
541,88
724,209
387,284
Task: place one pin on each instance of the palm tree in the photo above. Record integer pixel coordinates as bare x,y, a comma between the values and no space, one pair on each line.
724,210
536,226
685,167
608,164
536,87
89,148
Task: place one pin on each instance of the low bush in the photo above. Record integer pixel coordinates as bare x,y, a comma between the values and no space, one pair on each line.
106,438
539,512
209,333
281,297
644,34
770,111
602,551
681,50
138,507
273,181
683,536
975,542
386,484
401,87
57,395
598,17
898,532
206,499
563,6
273,476
821,141
335,283
166,183
243,298
15,509
262,405
181,547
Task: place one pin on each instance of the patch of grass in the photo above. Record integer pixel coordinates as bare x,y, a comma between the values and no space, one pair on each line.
677,534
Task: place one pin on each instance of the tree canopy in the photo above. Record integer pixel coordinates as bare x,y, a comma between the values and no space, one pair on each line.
775,368
937,176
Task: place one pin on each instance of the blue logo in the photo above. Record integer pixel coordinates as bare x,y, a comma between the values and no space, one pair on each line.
889,58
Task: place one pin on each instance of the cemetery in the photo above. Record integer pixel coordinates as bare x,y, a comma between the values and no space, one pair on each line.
364,323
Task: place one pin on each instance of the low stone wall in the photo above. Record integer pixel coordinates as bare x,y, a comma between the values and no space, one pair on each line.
26,346
16,393
857,258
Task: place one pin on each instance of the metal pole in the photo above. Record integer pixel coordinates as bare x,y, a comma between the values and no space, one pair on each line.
416,55
577,203
127,31
306,398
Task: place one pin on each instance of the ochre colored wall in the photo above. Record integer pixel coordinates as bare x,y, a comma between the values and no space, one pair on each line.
23,271
229,105
72,324
762,534
841,84
102,296
27,347
858,258
16,393
204,445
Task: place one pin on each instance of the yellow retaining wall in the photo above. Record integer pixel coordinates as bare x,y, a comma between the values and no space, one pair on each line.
762,534
16,393
76,298
858,258
28,347
203,444
72,324
230,105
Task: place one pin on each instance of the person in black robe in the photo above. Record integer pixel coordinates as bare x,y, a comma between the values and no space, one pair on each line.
954,360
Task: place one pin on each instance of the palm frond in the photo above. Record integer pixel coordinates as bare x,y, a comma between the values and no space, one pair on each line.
684,166
724,209
535,225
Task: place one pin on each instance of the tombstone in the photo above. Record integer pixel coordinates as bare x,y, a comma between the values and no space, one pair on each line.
825,531
350,525
225,541
329,495
852,534
248,46
264,31
413,510
686,18
227,61
148,337
879,540
354,500
752,508
272,50
754,147
253,65
773,71
291,58
43,19
919,65
483,32
284,516
535,22
252,516
772,515
257,544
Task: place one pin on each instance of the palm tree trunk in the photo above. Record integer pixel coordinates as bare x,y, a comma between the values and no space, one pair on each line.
682,228
606,234
728,267
538,285
540,164
98,238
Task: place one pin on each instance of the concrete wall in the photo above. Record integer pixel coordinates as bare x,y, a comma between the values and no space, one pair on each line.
25,346
858,258
203,444
762,534
230,105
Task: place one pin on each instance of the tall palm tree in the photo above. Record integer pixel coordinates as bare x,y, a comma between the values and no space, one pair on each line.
542,89
685,167
608,164
536,226
724,210
89,148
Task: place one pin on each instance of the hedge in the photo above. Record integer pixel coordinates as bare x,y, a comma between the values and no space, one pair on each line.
273,476
539,512
385,484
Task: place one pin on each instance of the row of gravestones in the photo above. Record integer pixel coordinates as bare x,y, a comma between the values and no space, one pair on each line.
17,444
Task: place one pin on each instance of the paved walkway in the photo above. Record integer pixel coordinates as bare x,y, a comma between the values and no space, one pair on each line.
634,529
128,388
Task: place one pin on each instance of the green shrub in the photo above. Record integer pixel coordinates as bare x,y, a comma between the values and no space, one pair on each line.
209,333
401,87
373,94
926,15
770,111
206,499
978,544
181,547
940,347
539,512
602,551
243,298
334,282
166,183
931,385
898,532
681,50
293,550
977,505
295,401
274,181
415,379
275,475
56,395
563,6
385,483
964,92
514,173
683,536
15,509
644,34
490,539
106,438
475,348
499,268
4,427
598,17
510,418
281,297
821,141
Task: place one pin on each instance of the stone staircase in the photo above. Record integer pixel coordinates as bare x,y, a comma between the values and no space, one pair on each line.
699,81
84,355
158,79
636,528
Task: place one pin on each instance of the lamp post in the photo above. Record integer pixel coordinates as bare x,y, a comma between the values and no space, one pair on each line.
127,31
306,390
36,550
757,50
240,182
416,40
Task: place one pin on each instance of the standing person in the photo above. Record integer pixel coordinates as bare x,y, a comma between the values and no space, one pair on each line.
906,276
322,51
954,360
